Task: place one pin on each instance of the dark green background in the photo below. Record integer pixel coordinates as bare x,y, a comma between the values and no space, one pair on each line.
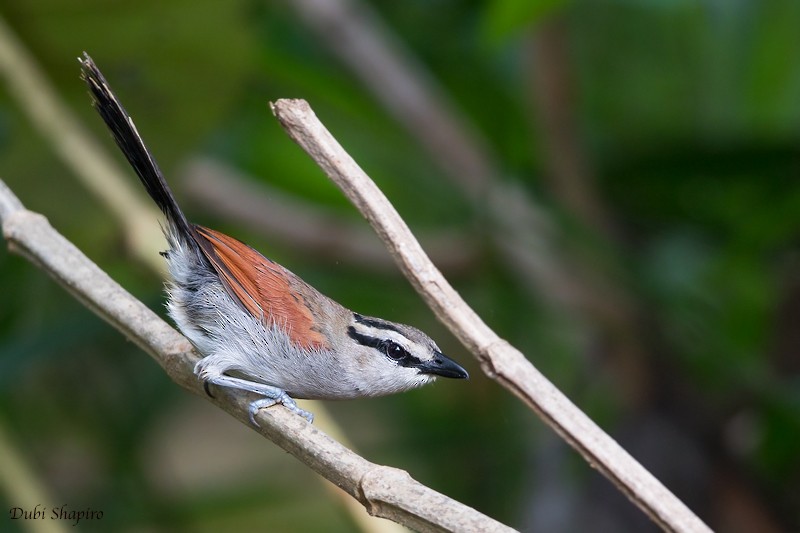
688,115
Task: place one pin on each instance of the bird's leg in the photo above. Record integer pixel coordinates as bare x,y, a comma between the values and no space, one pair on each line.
271,395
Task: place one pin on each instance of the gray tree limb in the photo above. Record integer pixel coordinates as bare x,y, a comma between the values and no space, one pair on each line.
384,491
499,360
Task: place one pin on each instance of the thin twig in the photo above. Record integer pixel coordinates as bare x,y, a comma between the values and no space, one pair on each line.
499,360
386,492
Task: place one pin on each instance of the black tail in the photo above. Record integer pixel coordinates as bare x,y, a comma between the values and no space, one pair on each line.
131,144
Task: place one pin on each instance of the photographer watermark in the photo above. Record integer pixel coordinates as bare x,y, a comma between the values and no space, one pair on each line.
40,512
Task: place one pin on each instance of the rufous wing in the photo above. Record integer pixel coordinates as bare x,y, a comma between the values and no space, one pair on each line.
263,287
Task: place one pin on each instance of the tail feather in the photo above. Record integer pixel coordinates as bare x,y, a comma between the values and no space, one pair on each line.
130,142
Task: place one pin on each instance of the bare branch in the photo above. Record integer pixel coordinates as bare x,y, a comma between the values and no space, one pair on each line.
499,360
386,492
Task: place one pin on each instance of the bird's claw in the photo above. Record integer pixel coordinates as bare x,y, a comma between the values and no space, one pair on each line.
283,399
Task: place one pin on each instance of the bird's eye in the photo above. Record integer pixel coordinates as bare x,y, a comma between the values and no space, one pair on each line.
395,351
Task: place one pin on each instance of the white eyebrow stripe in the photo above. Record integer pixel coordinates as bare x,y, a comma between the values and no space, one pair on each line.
420,352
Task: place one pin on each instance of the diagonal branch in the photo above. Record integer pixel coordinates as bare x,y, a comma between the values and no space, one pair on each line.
521,228
384,491
499,360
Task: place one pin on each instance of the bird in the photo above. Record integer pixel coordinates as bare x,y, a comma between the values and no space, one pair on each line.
259,327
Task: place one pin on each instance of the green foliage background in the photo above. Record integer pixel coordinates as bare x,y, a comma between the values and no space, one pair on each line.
690,115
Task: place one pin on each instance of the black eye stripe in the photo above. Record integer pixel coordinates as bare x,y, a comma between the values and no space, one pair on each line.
383,346
364,340
375,323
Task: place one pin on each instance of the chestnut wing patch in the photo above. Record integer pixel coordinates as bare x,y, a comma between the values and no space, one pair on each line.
261,286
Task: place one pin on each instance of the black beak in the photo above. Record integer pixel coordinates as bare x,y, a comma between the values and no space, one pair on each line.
441,365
